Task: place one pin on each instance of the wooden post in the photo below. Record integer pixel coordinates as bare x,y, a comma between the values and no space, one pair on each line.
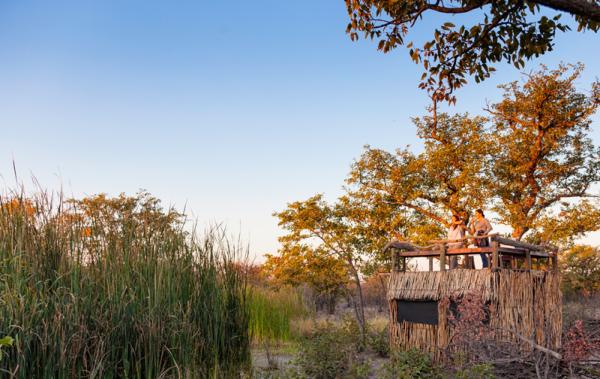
554,262
430,263
403,264
528,259
395,260
495,259
443,257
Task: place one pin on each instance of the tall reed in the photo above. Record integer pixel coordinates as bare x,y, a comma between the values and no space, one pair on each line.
87,295
271,313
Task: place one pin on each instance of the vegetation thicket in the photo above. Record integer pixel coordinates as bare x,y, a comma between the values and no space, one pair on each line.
115,287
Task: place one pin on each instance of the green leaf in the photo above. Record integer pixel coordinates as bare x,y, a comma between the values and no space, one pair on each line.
6,341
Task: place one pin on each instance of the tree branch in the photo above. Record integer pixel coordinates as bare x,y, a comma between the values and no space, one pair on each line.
584,8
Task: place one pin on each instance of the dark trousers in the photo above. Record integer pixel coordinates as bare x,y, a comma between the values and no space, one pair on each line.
485,260
483,242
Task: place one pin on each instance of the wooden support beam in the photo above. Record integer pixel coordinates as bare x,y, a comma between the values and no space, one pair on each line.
443,257
554,258
528,259
403,264
430,263
495,264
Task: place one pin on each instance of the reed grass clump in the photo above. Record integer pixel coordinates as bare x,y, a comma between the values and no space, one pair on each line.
272,311
116,288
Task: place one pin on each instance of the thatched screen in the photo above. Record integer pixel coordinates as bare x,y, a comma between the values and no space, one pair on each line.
527,303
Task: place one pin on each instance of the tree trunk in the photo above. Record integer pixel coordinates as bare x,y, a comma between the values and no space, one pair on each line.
381,302
331,303
518,232
359,305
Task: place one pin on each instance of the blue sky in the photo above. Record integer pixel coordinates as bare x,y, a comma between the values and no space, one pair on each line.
230,108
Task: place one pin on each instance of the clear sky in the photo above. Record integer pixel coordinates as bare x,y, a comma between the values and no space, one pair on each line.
232,109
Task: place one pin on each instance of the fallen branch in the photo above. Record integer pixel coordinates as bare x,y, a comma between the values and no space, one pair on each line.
534,345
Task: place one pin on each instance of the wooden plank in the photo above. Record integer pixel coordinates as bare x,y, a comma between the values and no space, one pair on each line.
469,250
420,254
521,244
472,251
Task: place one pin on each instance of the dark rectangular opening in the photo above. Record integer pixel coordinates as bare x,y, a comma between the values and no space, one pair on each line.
422,312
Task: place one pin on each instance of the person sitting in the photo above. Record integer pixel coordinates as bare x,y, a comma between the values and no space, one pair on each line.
481,227
456,233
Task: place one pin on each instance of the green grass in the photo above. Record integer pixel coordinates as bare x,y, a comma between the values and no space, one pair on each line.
271,312
134,300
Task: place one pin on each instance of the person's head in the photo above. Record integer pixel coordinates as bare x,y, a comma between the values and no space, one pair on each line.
479,213
455,218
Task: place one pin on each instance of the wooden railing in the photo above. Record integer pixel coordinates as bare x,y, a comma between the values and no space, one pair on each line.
504,253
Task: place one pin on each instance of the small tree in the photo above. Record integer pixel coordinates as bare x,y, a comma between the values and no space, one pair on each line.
299,264
580,267
328,226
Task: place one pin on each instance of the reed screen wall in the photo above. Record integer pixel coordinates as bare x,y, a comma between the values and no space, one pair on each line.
527,303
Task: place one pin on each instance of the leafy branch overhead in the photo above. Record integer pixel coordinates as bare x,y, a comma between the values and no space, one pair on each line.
512,31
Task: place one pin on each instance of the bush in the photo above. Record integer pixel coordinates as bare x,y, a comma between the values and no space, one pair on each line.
408,365
379,342
478,371
326,354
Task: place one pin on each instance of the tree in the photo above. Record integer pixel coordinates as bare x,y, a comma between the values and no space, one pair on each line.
446,178
508,30
344,230
131,221
563,227
299,264
542,152
532,162
328,226
580,267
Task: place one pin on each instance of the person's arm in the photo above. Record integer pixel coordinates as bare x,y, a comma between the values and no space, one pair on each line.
488,226
471,227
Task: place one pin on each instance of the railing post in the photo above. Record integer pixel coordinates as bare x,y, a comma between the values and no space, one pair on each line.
495,258
403,264
555,262
443,257
430,263
528,259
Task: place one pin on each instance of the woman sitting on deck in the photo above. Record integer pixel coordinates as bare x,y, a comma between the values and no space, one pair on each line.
481,227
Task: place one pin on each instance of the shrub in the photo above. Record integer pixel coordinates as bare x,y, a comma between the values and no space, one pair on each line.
379,342
351,330
408,365
326,354
477,371
359,369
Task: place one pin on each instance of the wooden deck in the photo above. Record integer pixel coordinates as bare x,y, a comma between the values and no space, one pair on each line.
504,253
